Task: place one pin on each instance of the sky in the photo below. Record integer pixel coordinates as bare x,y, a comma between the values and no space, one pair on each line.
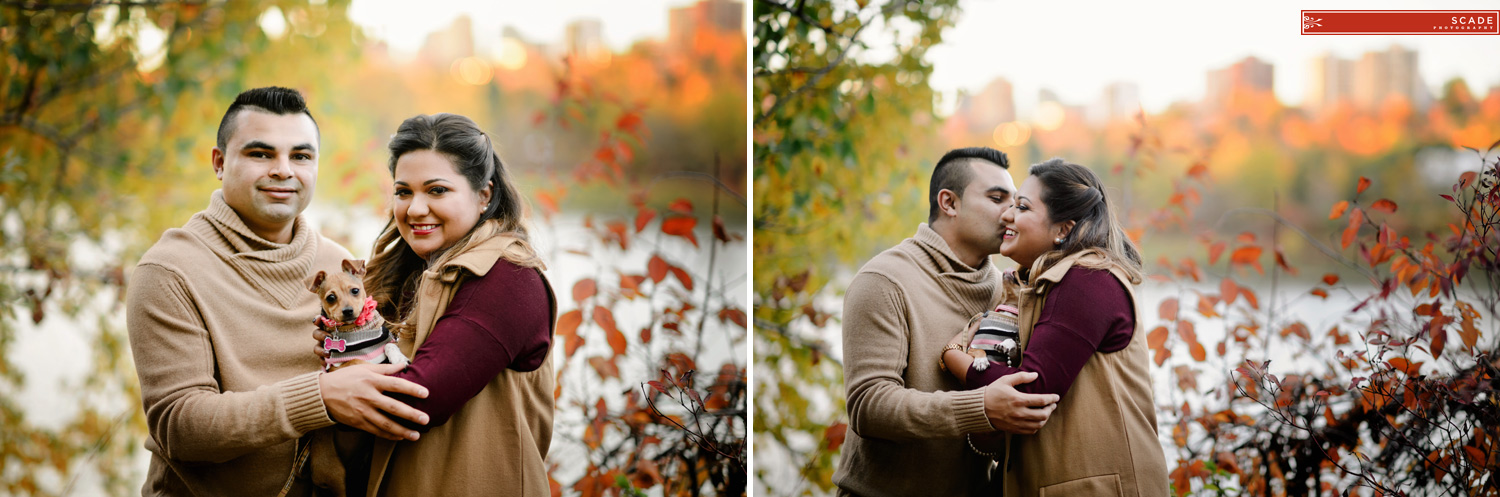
1166,47
404,28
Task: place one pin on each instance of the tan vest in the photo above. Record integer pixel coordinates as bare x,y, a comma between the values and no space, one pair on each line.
496,444
1101,440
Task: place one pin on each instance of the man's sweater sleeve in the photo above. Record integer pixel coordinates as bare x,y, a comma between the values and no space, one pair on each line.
876,356
188,417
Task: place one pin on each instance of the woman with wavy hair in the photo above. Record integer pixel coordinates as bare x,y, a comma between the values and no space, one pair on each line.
1079,332
455,270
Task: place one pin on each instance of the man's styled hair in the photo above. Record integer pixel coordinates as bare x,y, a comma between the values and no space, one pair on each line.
953,173
270,99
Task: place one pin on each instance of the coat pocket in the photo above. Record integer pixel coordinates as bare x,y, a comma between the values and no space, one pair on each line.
1091,486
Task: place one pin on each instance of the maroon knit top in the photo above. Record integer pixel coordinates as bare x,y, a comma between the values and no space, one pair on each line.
500,321
1087,311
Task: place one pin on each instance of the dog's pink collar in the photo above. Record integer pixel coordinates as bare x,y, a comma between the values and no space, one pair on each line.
365,315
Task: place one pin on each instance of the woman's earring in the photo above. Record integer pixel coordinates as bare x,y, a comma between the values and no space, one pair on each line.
1058,241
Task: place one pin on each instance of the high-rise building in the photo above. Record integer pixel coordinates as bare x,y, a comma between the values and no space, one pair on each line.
1379,76
1330,81
993,105
1119,100
455,42
1249,73
1369,82
683,23
585,39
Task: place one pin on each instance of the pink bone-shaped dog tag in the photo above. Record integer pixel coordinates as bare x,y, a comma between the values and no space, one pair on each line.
332,344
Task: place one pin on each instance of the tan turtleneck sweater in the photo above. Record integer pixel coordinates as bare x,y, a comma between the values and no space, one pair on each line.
907,416
220,321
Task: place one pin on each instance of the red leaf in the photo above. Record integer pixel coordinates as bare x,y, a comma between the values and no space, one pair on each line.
1330,279
1162,354
1405,366
617,228
605,367
682,362
567,327
1439,340
1157,337
1467,178
1363,184
1169,309
605,154
683,276
1214,251
719,231
646,335
1246,237
835,436
548,202
1320,292
682,206
1385,206
1353,229
1249,296
1229,290
630,285
584,289
1245,255
1338,209
681,226
628,122
606,320
656,268
1198,352
642,218
732,314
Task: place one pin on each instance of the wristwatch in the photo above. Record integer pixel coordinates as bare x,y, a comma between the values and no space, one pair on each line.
943,365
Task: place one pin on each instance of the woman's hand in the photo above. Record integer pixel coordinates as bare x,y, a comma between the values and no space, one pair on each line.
356,396
956,359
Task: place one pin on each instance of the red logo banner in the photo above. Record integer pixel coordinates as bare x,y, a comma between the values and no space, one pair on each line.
1400,22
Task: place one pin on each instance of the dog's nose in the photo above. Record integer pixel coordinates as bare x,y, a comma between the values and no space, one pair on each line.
348,313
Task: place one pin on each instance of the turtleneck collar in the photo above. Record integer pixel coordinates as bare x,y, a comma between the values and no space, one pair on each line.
276,269
930,250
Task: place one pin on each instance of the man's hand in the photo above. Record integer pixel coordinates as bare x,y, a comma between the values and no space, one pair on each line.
355,396
319,335
1011,411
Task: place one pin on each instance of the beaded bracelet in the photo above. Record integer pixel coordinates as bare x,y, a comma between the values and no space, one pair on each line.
976,450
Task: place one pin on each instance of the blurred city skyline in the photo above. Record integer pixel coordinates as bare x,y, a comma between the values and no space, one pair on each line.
601,25
1080,52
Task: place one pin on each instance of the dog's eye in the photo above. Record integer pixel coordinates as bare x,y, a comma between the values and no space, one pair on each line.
354,291
332,298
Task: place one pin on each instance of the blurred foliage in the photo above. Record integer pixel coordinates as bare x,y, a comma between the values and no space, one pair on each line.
1230,201
106,120
843,138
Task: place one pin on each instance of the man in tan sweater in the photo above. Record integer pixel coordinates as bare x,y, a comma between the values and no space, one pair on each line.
220,320
908,417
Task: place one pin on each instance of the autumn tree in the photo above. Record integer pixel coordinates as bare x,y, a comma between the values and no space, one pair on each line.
843,142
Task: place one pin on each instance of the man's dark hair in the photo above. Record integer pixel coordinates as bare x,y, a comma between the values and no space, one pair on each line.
952,173
272,99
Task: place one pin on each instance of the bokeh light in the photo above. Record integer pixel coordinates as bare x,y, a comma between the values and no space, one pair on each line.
472,71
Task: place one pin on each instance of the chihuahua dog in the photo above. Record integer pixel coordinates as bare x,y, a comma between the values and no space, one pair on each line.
356,334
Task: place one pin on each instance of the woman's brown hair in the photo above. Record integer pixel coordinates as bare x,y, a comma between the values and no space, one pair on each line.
1074,193
395,270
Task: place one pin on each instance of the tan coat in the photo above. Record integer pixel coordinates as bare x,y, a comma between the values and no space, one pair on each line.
1101,440
496,444
907,416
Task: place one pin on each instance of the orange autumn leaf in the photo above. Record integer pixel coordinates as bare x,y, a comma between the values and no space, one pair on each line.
1320,292
1405,366
1199,353
834,434
656,268
1157,337
642,218
683,276
1169,309
1245,255
1330,279
605,367
1228,290
1214,251
681,226
1162,354
567,328
1338,209
584,289
1384,205
1467,178
1363,184
682,206
1355,218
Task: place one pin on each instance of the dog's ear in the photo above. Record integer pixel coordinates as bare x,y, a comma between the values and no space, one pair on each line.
354,266
315,281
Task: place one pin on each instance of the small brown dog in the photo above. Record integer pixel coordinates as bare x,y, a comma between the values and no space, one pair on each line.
356,334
